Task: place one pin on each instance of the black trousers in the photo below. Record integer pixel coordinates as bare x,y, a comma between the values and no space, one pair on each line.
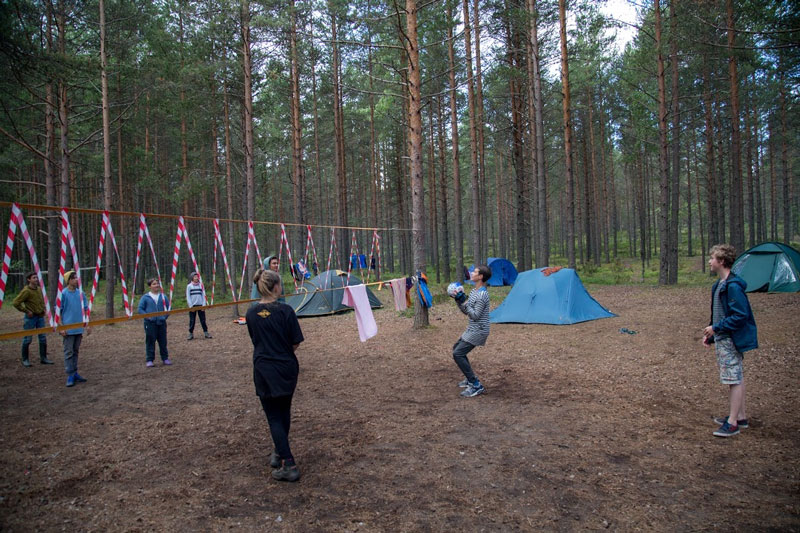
155,333
279,417
192,315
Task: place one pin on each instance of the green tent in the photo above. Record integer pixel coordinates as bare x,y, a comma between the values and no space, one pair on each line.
769,267
323,295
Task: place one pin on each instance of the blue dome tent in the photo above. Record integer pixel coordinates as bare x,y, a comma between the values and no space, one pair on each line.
559,298
503,272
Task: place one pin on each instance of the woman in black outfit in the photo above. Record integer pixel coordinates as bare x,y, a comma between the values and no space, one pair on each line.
275,332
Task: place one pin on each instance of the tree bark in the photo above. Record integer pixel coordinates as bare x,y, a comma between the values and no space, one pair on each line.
106,158
562,17
676,146
459,231
735,188
249,145
787,205
663,167
542,253
473,141
415,153
711,185
298,171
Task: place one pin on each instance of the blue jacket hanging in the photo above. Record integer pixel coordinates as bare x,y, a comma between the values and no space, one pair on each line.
422,290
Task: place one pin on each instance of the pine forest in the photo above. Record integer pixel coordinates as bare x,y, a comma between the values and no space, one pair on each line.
549,132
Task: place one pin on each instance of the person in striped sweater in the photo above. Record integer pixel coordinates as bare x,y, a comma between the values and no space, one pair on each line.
196,297
476,307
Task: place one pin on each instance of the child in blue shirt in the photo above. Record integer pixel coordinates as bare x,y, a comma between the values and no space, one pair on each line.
73,306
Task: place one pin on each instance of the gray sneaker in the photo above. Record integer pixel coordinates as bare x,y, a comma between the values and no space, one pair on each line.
464,383
190,337
274,460
473,390
286,473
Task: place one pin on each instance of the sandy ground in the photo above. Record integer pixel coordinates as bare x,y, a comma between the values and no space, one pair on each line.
582,428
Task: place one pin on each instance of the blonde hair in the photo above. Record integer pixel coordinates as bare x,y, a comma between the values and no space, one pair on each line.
266,282
725,254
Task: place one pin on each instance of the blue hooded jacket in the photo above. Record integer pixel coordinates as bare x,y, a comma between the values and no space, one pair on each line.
738,320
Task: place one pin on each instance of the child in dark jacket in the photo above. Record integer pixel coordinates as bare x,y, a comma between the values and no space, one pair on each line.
155,328
732,330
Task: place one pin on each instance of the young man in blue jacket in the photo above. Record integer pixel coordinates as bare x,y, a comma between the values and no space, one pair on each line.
155,328
732,330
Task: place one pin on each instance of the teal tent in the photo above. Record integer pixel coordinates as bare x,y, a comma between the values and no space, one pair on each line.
315,299
559,298
769,267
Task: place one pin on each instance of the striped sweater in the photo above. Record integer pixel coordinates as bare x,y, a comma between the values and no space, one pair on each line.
476,307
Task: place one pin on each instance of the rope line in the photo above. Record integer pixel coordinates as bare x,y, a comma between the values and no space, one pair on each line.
188,217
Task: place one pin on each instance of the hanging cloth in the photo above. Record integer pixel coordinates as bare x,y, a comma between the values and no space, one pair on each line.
356,297
399,293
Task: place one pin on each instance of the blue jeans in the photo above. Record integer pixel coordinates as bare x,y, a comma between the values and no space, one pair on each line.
72,345
155,333
460,351
34,322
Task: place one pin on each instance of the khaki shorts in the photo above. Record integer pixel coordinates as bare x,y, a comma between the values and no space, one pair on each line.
730,361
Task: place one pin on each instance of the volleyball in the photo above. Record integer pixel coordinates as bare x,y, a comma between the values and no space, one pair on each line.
454,288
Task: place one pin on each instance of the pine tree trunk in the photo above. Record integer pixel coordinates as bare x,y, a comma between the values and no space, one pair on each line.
473,141
298,172
787,206
663,167
735,188
672,277
415,152
50,172
711,182
570,214
106,158
445,237
249,145
457,208
542,253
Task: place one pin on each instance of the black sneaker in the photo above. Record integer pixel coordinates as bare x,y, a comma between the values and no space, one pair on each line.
742,424
274,460
286,473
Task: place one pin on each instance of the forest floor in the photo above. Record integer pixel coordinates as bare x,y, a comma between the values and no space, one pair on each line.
581,427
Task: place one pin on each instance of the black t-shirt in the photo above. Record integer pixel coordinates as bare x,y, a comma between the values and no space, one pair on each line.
274,330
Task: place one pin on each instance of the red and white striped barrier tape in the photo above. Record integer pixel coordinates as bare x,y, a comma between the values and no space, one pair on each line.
285,241
251,236
106,227
218,242
331,253
182,233
143,232
17,220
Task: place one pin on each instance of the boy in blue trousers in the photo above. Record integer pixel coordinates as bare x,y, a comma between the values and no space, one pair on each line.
73,306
